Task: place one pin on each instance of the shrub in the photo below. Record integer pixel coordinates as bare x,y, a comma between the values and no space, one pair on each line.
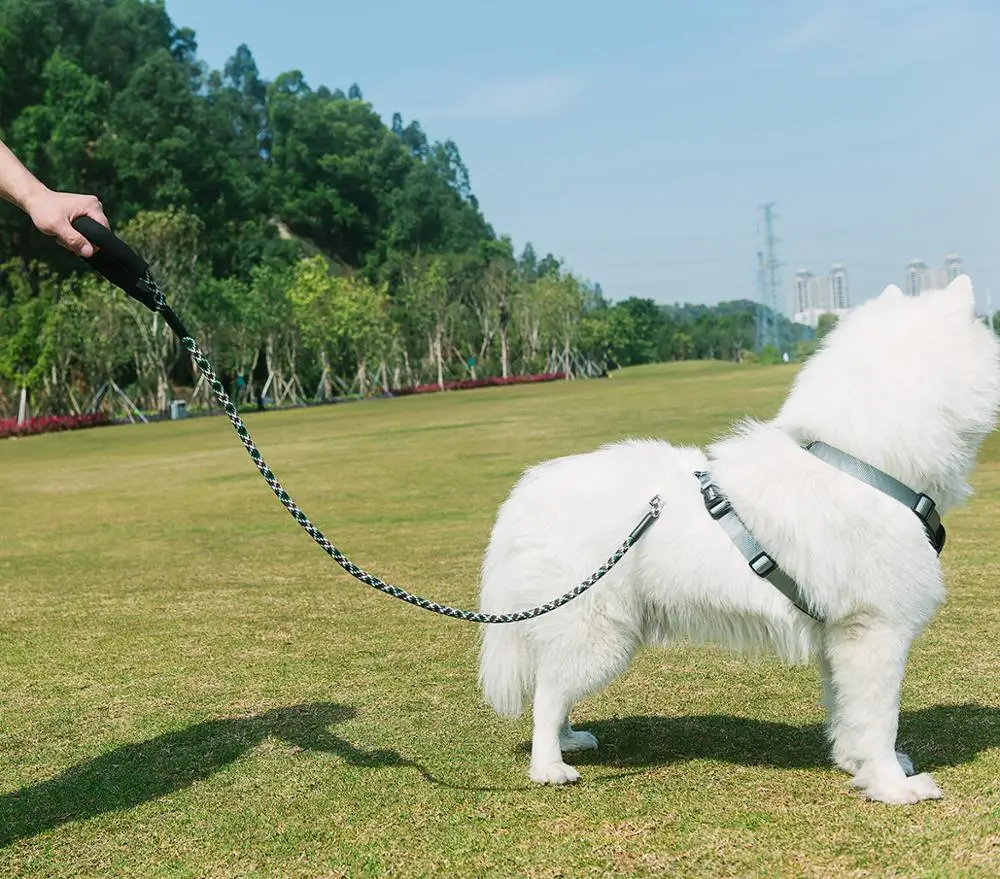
50,423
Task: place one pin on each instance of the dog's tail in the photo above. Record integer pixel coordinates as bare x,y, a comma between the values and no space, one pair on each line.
506,657
506,669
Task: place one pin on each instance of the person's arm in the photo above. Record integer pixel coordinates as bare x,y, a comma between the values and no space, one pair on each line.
51,212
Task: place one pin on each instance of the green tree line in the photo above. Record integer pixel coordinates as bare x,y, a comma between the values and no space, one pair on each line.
313,249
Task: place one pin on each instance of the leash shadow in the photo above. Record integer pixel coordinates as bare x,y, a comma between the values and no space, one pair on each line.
943,735
133,774
138,773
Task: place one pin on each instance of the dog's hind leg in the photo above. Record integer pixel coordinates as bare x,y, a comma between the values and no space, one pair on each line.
563,677
575,739
866,662
549,711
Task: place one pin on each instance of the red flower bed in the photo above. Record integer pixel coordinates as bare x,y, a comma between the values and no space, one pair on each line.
465,384
49,423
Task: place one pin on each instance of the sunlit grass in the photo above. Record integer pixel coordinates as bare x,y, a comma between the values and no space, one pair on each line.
191,688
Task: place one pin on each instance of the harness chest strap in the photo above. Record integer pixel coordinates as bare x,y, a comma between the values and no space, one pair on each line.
720,509
761,563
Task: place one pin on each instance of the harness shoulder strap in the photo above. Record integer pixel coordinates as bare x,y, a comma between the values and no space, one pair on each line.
919,503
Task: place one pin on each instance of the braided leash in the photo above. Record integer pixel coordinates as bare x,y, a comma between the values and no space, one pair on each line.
371,579
124,268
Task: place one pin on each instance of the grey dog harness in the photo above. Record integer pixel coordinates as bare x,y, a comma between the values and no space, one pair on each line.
763,565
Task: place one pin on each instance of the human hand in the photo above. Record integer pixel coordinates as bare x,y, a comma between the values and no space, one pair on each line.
53,212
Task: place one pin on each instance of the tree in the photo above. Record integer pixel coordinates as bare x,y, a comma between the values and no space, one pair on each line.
561,306
226,182
825,323
429,294
363,329
496,301
313,297
270,310
21,326
605,336
646,322
113,339
169,240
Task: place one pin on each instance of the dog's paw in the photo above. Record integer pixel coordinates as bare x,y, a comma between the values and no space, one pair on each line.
577,740
554,773
851,767
901,792
905,763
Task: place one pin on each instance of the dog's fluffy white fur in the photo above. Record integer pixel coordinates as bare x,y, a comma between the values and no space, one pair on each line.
909,384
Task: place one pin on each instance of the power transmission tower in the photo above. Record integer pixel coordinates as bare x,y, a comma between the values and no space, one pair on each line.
761,338
768,280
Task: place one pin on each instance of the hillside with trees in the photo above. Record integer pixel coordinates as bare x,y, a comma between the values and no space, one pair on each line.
315,250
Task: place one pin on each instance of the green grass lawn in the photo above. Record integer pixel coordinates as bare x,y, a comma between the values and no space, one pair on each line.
190,688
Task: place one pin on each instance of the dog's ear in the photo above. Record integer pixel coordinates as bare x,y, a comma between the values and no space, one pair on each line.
891,292
961,296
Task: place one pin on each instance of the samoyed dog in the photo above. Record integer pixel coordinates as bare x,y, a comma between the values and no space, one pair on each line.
908,385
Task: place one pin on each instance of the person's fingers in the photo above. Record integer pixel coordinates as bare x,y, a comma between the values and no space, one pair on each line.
73,240
90,207
55,214
95,210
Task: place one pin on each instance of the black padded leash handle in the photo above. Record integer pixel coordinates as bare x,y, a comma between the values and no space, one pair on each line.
112,253
124,268
116,261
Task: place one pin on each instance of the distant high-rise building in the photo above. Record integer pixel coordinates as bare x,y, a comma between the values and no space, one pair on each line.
953,266
914,274
838,287
803,280
920,276
817,296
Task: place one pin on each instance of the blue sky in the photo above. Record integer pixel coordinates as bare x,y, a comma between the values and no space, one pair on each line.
638,144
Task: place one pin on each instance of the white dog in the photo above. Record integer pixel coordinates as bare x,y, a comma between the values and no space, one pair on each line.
910,385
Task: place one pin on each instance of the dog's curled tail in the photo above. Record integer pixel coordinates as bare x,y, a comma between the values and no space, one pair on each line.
506,670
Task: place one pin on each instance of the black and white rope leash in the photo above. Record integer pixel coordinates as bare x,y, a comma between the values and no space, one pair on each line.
120,265
370,579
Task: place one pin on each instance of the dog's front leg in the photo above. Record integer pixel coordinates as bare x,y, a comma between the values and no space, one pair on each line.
863,665
830,701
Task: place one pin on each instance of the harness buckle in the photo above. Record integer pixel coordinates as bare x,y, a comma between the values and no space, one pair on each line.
716,503
926,511
923,506
762,564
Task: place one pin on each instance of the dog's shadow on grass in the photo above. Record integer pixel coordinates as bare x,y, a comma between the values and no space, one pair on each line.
137,773
945,735
131,775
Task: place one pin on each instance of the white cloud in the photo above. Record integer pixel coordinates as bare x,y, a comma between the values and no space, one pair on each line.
845,38
530,97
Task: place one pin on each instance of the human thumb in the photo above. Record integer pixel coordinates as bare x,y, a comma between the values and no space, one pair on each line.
73,240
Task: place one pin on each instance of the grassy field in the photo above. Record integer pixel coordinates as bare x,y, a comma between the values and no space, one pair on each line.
190,688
